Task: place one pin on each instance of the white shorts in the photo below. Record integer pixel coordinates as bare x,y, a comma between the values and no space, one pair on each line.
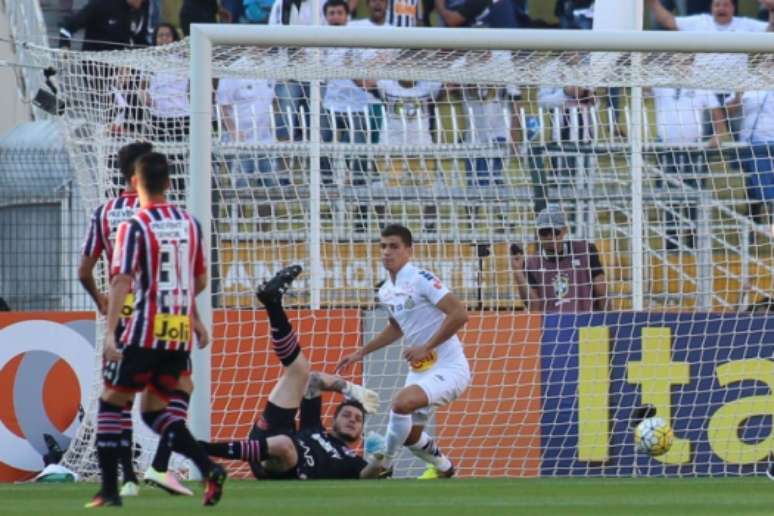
442,384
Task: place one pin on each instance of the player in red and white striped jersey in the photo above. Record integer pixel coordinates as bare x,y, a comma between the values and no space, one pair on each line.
161,249
158,254
99,240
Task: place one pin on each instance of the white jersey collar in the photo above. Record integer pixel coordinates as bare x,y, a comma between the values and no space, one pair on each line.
406,272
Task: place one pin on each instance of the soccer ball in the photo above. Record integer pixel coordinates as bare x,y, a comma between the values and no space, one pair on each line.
653,436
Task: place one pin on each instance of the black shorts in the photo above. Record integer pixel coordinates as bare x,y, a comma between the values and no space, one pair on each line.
159,370
273,421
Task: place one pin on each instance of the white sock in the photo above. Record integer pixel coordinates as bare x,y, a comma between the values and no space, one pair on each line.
398,429
425,449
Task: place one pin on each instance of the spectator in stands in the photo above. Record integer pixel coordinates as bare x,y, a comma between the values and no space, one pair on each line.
167,95
408,106
758,130
292,96
498,14
574,14
247,111
255,11
109,25
201,11
406,13
4,307
564,276
570,111
721,19
377,18
490,111
678,121
345,102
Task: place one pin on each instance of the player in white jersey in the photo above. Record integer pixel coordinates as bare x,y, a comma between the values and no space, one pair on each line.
428,316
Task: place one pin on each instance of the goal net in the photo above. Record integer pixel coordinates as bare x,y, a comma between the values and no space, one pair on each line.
660,159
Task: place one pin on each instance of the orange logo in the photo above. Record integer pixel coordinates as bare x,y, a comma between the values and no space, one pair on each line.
45,374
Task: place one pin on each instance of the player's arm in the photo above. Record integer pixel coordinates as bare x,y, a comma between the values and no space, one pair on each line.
77,21
120,286
124,263
86,277
388,335
320,382
663,16
456,318
526,293
719,126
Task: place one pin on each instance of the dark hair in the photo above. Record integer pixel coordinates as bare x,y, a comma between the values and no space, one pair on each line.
127,156
350,403
399,231
516,250
175,34
335,3
153,172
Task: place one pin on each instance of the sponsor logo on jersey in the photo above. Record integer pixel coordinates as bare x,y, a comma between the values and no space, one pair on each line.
172,327
424,364
128,306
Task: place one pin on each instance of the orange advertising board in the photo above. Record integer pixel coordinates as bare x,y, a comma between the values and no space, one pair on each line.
493,429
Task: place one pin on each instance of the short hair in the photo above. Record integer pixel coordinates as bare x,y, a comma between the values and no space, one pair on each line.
127,156
153,172
335,3
516,250
399,231
350,403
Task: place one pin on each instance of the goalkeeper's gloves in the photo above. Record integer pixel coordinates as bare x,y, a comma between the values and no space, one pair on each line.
375,445
368,398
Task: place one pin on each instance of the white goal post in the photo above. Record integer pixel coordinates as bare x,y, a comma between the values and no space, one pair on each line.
204,37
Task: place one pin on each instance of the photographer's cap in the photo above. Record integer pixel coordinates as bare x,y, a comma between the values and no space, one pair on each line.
551,217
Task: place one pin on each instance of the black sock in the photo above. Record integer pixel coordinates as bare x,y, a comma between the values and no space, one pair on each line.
178,407
126,451
284,340
250,451
108,444
280,325
178,437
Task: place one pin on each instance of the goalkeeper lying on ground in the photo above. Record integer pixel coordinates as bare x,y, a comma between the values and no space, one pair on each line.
276,449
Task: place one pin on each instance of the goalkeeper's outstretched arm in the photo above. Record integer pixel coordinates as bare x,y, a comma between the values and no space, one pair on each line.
323,382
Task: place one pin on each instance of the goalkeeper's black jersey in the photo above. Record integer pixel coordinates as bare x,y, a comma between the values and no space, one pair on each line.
320,455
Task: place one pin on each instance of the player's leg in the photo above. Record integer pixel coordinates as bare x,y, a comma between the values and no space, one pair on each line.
165,378
277,453
424,447
290,387
120,386
130,486
405,402
440,386
158,473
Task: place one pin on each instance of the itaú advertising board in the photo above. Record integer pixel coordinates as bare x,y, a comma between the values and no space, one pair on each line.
46,368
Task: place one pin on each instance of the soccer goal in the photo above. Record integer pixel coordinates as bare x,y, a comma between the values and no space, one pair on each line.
304,141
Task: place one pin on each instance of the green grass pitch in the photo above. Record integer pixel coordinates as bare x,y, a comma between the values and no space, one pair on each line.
485,497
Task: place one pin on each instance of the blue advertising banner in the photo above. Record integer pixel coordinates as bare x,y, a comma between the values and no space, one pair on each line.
710,375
